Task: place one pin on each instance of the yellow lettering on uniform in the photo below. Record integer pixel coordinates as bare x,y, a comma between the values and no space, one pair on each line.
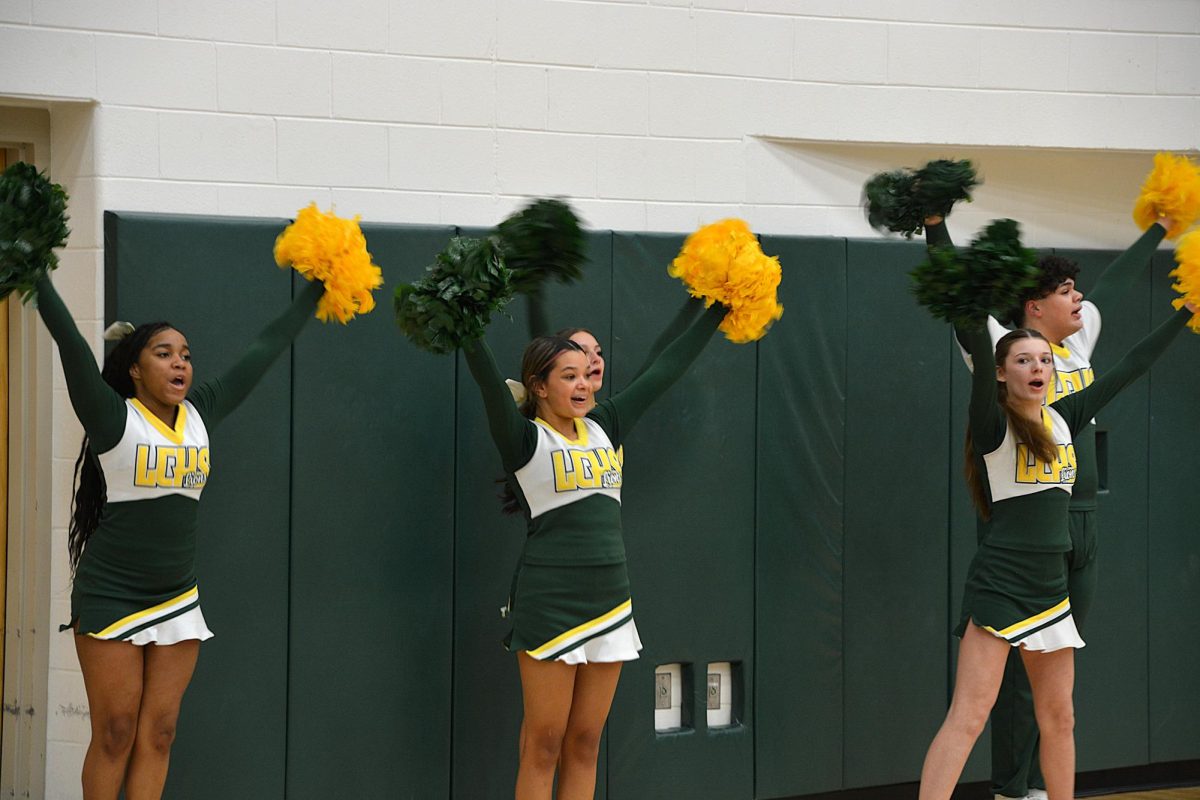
203,460
190,457
141,469
1034,470
564,481
1026,465
586,474
164,471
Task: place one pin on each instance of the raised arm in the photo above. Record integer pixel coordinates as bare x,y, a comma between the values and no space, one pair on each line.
216,398
100,409
936,232
664,369
511,432
984,417
683,319
1120,275
539,320
1079,408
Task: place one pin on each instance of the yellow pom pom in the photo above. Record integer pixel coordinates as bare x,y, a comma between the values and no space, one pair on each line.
723,263
1172,189
1187,275
324,247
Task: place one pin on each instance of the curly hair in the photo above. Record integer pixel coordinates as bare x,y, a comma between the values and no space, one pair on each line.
1054,272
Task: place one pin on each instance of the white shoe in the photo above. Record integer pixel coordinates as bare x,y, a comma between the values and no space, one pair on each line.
1037,794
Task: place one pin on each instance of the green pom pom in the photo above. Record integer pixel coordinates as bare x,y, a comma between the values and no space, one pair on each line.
989,277
901,199
890,200
942,183
543,241
453,303
33,221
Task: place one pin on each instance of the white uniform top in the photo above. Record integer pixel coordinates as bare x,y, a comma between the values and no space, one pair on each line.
1072,360
564,471
1014,471
152,460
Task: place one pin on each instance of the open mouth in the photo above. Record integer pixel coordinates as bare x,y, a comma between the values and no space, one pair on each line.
1037,384
178,383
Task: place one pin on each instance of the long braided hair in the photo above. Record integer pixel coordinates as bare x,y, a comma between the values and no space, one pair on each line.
536,363
1029,432
90,491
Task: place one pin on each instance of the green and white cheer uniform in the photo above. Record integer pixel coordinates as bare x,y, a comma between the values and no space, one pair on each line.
570,599
1014,728
1017,583
135,580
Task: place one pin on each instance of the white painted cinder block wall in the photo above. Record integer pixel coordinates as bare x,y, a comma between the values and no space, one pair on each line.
647,114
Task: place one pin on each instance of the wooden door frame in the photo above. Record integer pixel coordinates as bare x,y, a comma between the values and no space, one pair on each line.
27,551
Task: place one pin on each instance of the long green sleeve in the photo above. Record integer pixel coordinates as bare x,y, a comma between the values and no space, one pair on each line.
539,320
1079,408
216,398
987,422
687,314
99,408
1120,275
510,430
938,235
621,413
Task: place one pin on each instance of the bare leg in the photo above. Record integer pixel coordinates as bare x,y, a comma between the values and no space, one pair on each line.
595,685
981,659
1052,676
112,676
546,687
168,671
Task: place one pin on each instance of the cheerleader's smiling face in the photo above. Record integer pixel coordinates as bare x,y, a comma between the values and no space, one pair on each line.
566,393
162,374
1028,370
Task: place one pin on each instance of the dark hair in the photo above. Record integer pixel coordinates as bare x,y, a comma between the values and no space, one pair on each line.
90,491
1032,434
1054,271
536,363
567,333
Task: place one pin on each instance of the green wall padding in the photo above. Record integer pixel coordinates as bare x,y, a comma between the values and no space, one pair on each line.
895,523
372,549
794,506
1111,720
487,687
183,269
688,513
1173,557
799,509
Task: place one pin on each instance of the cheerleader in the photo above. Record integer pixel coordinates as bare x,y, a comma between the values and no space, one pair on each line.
1021,468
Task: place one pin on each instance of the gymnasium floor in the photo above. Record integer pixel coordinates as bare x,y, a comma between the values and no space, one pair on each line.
1162,794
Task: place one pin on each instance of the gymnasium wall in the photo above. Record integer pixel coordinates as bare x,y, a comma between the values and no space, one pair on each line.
793,507
655,115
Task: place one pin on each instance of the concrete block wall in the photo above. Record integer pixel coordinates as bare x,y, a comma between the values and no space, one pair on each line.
647,114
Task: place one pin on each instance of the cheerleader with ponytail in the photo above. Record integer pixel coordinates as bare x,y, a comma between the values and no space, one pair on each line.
571,605
144,462
1021,467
